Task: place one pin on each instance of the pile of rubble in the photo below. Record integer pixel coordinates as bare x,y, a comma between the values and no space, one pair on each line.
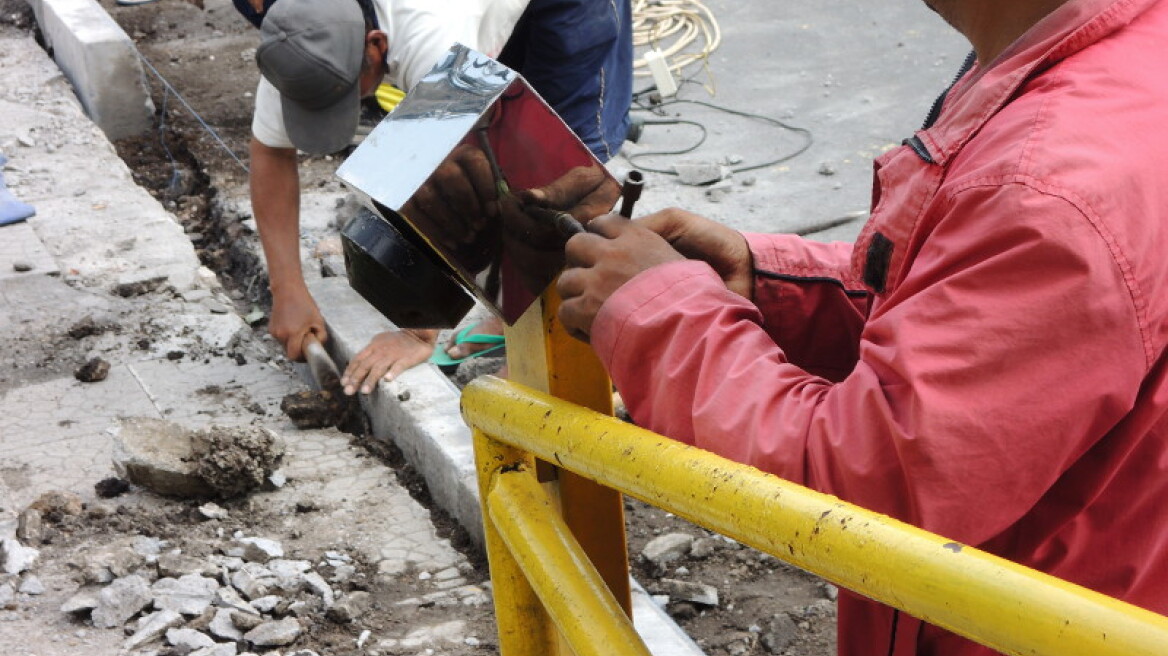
241,595
670,567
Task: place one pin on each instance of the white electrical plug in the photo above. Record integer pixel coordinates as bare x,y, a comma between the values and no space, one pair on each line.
662,76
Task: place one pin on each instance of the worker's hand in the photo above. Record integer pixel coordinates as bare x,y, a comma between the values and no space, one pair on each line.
386,357
699,238
600,261
294,317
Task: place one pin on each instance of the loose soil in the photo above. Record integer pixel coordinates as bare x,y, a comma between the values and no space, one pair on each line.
207,56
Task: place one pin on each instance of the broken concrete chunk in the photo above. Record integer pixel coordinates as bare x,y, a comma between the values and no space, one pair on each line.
31,585
222,627
121,600
698,593
246,621
701,173
174,565
189,595
227,597
261,550
350,607
82,601
156,454
254,581
274,634
287,569
153,626
666,548
316,584
267,603
16,557
221,649
30,526
188,639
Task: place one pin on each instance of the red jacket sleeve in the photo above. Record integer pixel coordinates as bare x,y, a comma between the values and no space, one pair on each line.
996,363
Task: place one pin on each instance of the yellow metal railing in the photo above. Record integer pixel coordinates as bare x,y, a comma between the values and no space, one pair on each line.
542,580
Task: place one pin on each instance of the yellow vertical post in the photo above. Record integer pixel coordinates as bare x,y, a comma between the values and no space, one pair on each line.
541,355
525,629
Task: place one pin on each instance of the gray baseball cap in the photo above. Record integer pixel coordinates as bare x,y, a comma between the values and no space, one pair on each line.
311,52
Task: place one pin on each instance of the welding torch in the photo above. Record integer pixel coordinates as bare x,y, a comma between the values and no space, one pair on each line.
630,192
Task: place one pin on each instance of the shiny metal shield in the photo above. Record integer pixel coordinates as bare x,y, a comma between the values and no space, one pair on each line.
474,167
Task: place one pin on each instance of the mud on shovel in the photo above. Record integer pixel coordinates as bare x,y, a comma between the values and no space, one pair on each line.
329,406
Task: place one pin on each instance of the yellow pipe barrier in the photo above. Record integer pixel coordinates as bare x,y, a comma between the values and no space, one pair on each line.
524,626
571,589
1000,604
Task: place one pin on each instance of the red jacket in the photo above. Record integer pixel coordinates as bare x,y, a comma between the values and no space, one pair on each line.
988,360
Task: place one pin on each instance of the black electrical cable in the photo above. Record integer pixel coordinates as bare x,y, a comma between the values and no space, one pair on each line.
657,108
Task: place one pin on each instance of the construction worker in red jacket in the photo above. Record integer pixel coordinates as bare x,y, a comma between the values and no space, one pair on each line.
987,362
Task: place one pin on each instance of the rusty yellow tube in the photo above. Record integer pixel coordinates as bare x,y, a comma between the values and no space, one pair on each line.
572,591
1000,604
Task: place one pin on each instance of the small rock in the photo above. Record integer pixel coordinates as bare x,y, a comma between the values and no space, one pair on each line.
7,596
702,548
316,584
666,548
121,600
147,546
698,593
93,371
830,591
700,173
21,266
350,607
779,634
245,621
16,557
274,634
266,604
29,526
188,639
58,502
213,511
826,169
152,626
31,585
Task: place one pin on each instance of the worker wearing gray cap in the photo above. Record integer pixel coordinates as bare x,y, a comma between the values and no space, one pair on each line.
320,57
